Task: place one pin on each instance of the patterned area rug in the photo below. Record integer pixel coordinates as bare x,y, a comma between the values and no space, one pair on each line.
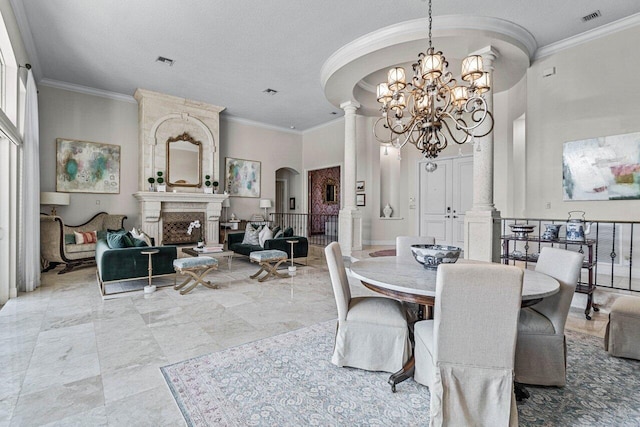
383,252
288,380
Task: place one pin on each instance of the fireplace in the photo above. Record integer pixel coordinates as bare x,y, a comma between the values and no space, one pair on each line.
176,224
172,213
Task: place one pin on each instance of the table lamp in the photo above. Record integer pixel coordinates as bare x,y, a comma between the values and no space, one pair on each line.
226,203
53,199
266,204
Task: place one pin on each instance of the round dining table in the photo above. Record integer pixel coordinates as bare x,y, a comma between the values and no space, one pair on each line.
405,279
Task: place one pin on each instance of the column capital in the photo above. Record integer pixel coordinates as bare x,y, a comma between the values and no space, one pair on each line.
351,106
489,54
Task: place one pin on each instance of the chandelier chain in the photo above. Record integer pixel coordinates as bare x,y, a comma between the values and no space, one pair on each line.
430,23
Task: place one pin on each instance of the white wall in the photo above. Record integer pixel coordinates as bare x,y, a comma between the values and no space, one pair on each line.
274,148
593,93
67,114
508,106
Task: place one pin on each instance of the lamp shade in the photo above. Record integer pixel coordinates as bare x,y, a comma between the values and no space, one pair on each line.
226,203
54,199
265,203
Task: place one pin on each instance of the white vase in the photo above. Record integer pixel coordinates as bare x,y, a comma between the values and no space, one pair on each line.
161,188
208,190
387,211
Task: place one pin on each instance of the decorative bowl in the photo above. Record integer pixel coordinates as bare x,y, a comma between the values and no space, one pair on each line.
521,230
430,256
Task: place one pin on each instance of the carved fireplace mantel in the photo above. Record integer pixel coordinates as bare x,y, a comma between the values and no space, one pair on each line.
153,204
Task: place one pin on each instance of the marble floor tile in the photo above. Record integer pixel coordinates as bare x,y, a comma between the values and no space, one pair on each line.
58,402
132,379
151,408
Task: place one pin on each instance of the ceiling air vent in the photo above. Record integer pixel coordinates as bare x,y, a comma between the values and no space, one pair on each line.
592,15
269,91
166,61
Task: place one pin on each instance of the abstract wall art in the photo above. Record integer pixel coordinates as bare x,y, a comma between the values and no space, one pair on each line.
605,168
87,167
242,177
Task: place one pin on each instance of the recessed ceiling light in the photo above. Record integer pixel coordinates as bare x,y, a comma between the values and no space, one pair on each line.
333,113
270,91
292,127
166,61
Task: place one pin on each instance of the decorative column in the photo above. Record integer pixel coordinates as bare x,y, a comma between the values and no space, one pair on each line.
482,222
349,218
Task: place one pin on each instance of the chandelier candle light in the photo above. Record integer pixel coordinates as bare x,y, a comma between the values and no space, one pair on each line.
435,104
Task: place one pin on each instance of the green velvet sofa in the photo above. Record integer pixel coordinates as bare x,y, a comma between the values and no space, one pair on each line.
300,249
129,263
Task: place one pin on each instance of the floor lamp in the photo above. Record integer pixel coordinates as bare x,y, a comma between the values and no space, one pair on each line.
226,204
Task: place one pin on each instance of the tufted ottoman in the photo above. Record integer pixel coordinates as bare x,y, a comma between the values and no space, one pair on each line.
269,261
196,268
622,338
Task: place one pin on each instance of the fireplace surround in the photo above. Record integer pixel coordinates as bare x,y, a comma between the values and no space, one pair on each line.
156,205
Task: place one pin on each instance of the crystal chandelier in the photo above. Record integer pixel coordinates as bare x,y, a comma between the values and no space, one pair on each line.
433,106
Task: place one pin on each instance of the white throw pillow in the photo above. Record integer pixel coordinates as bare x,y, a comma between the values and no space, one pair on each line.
251,235
264,235
141,235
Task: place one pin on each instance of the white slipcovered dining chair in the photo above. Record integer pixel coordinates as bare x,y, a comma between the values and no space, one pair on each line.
541,347
372,332
465,355
403,244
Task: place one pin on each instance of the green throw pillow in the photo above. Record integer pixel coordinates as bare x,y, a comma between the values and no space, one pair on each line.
275,230
139,243
288,232
102,234
70,239
117,240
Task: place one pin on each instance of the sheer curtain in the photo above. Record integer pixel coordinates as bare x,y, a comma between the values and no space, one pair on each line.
30,214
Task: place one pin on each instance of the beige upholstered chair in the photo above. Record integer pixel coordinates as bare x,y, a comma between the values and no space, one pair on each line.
466,354
372,331
541,348
403,244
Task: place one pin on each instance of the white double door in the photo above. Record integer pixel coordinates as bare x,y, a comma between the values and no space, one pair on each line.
445,195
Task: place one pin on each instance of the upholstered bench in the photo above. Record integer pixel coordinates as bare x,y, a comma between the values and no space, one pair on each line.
622,338
269,261
196,268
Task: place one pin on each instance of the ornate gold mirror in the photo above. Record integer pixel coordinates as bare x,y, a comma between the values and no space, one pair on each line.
330,193
184,161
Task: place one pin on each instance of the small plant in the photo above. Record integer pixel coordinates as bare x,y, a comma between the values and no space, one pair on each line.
207,180
160,179
151,180
215,184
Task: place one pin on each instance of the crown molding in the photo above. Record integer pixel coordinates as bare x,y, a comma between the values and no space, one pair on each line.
248,122
27,37
322,125
596,33
415,30
87,90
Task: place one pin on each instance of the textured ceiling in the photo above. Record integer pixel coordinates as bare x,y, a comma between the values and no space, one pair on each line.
227,52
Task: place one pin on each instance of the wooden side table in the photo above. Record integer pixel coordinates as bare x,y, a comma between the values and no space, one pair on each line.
150,288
